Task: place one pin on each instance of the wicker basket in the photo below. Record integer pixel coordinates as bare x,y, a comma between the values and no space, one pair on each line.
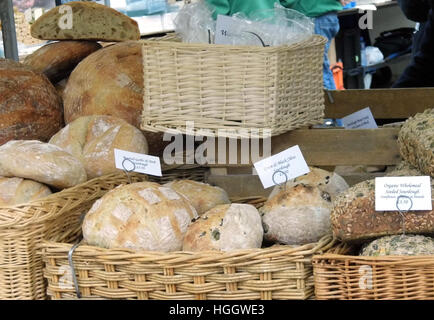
347,277
278,272
232,91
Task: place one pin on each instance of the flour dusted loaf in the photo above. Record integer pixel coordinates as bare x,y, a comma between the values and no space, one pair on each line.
57,60
17,191
226,227
89,21
400,245
92,140
202,196
140,216
330,182
42,162
297,215
416,141
96,87
29,105
354,217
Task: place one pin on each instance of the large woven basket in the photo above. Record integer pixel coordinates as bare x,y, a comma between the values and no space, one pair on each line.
278,272
346,277
232,91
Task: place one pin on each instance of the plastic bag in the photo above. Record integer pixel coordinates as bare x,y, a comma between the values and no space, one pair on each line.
373,56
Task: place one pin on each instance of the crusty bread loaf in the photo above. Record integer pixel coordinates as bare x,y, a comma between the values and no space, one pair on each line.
17,191
400,245
202,196
30,107
354,217
416,141
330,182
92,140
139,216
42,162
95,87
57,60
226,227
297,215
89,21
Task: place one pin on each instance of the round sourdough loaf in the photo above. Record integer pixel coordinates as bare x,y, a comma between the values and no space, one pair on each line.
139,216
30,107
42,162
297,215
92,140
330,182
226,227
17,190
57,60
202,196
96,87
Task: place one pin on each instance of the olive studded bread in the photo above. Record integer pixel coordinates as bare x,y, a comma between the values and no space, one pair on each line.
416,141
400,245
354,218
85,21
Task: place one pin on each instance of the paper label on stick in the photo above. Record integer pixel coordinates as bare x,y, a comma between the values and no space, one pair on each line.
362,119
137,162
281,167
403,193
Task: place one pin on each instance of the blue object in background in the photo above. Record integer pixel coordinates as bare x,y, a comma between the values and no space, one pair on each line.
350,5
137,8
2,53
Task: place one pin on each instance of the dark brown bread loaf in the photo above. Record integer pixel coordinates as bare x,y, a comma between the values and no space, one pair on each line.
30,107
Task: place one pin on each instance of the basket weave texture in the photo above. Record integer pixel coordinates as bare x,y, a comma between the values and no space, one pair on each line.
345,277
277,272
232,91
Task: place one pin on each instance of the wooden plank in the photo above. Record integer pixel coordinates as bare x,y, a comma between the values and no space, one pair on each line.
240,186
384,103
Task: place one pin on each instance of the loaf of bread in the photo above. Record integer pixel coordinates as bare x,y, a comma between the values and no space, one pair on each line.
140,216
354,218
400,245
42,162
17,191
416,141
330,182
297,215
57,60
202,196
30,107
85,21
92,140
95,87
226,227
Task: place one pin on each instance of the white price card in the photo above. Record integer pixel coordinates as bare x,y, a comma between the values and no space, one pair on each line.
403,193
137,162
362,119
281,167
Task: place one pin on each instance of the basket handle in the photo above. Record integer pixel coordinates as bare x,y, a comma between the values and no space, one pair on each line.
72,266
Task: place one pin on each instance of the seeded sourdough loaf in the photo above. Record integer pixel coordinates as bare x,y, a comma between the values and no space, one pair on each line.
17,191
354,218
57,60
400,245
92,140
297,215
202,196
416,141
42,162
30,107
139,216
89,21
226,227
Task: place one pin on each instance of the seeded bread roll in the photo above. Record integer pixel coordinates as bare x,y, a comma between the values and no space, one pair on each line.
42,162
17,191
139,216
226,227
202,196
93,139
85,21
57,60
354,218
416,141
297,215
399,245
